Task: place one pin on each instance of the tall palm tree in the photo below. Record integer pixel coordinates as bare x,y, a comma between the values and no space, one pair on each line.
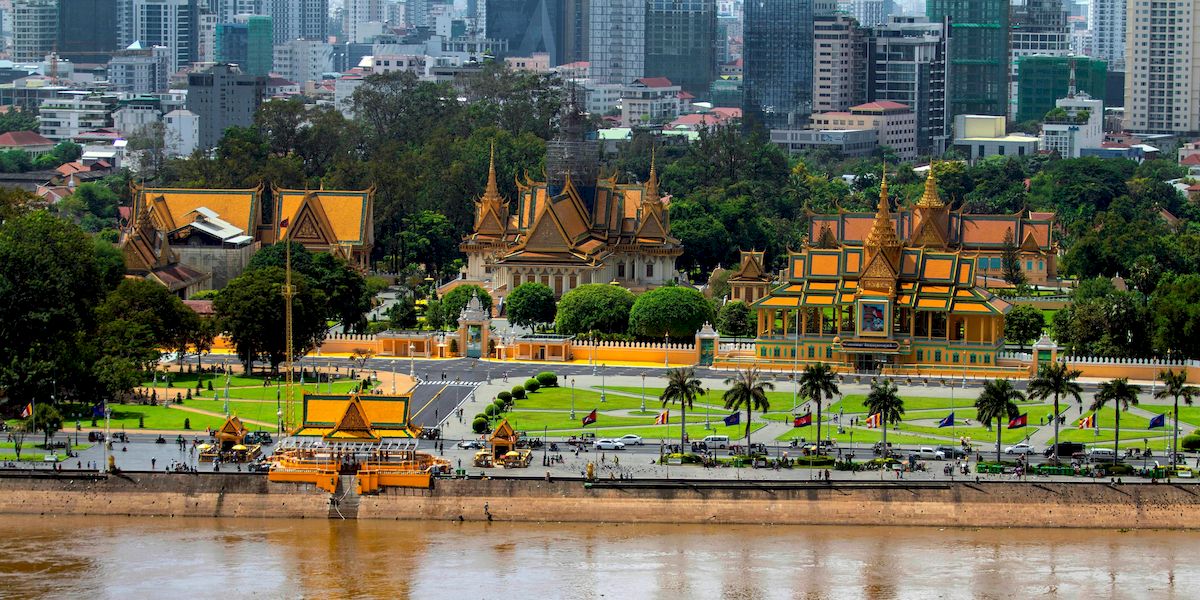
682,387
1055,380
747,388
997,401
1121,394
818,382
1175,386
884,400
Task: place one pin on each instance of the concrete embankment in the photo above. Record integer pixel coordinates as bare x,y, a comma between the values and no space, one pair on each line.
968,504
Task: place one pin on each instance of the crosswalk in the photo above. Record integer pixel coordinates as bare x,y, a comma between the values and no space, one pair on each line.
452,383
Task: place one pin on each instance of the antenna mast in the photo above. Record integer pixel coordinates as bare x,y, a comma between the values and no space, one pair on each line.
289,292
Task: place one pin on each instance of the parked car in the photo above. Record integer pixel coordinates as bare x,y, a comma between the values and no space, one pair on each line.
257,437
717,441
1065,450
609,445
925,453
471,445
1101,455
1021,448
949,452
630,439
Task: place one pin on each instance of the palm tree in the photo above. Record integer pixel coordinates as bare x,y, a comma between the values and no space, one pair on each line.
682,387
1055,380
817,382
1121,394
884,400
997,402
747,388
1175,386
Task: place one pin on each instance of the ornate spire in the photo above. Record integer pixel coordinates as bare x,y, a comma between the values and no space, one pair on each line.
652,183
492,192
883,232
930,198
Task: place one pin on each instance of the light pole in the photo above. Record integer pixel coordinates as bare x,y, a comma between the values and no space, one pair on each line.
602,399
572,399
666,349
643,391
412,361
227,394
107,436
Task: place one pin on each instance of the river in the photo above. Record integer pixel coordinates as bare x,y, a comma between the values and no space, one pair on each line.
136,558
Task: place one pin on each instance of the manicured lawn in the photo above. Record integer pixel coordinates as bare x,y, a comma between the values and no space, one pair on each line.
696,431
863,438
29,456
125,416
853,403
779,399
1187,414
977,434
32,445
533,421
257,411
1087,436
559,398
269,393
218,380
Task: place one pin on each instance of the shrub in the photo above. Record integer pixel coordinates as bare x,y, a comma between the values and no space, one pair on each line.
453,346
505,396
531,385
189,394
210,385
814,461
518,392
499,404
490,410
141,422
479,416
547,379
479,425
187,423
1190,442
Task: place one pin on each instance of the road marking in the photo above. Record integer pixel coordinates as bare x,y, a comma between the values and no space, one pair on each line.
435,397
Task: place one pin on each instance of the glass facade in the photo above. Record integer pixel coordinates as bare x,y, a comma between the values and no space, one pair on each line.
88,30
778,61
1045,79
977,78
681,43
529,26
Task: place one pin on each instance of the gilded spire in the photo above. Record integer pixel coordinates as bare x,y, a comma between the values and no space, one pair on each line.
652,183
883,232
930,198
492,192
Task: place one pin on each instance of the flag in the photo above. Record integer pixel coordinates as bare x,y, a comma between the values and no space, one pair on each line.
1019,422
1088,422
664,417
733,419
283,224
948,421
28,412
1159,421
873,421
803,420
589,418
97,411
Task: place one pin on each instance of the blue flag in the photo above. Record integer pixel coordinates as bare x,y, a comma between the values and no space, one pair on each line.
1159,421
948,421
733,419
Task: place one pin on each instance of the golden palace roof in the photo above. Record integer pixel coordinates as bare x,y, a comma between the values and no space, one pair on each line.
329,217
357,417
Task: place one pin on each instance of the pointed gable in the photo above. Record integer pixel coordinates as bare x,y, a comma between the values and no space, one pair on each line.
310,225
751,266
353,423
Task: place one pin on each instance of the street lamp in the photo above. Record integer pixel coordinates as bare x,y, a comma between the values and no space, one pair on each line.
412,361
666,349
602,399
643,391
572,399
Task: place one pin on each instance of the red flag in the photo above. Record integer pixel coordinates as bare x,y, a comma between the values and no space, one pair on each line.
1088,422
873,421
589,418
283,224
663,418
28,412
803,420
1019,422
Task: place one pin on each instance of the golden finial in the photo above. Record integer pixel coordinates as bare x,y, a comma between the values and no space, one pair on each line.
883,191
652,183
930,198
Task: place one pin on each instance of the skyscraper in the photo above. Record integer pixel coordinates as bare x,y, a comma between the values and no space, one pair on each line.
1039,28
778,61
838,81
223,97
170,23
246,43
1108,32
1162,66
357,14
34,29
617,40
681,43
88,30
906,63
979,40
872,12
529,26
298,19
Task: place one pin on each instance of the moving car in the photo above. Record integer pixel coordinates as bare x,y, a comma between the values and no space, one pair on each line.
609,445
717,441
257,437
630,439
471,445
925,453
1101,455
949,452
1065,449
1021,448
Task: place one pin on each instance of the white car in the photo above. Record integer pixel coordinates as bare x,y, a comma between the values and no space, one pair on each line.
925,453
609,445
630,440
1021,448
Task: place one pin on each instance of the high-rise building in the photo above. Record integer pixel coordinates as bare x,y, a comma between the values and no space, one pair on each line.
1039,28
1162,66
170,23
1078,124
140,70
617,40
681,43
872,12
34,29
226,10
529,26
298,19
357,14
223,97
906,63
1046,79
979,39
246,43
1108,32
778,62
88,30
417,14
303,60
837,63
576,30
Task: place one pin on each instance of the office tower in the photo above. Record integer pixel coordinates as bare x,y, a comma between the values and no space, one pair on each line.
681,43
303,60
1039,28
617,40
88,30
576,34
357,15
979,39
1045,79
226,10
223,97
34,29
298,19
906,63
837,63
139,70
1108,32
872,12
170,23
529,27
777,62
246,43
1162,67
416,13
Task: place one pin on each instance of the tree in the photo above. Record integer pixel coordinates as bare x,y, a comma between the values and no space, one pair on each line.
1120,393
1175,386
1175,307
594,307
403,313
343,288
251,309
16,435
734,319
16,119
682,387
1024,324
672,310
455,301
1010,260
884,401
435,315
46,418
530,304
747,388
1055,380
362,356
818,382
997,402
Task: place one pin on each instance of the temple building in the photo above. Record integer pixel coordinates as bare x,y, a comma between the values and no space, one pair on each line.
337,222
883,301
575,228
751,281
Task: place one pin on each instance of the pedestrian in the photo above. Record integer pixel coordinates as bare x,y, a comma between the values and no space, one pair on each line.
152,461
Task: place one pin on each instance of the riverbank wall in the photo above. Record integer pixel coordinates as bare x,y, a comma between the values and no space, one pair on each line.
941,504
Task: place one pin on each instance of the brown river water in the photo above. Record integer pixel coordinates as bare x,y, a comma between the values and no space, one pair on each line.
178,559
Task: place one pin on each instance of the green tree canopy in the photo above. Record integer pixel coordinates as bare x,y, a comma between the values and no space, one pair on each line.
594,307
251,309
456,300
674,310
529,305
1023,324
735,320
